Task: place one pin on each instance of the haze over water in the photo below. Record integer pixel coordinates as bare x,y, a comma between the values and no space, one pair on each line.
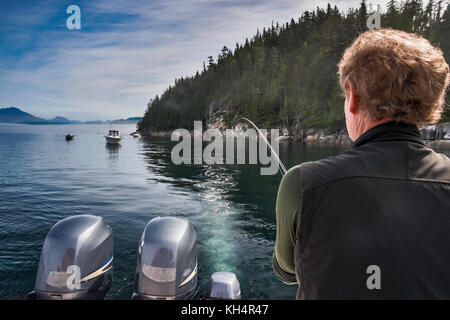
44,179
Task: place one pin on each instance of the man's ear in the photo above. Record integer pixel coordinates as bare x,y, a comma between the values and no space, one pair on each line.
352,99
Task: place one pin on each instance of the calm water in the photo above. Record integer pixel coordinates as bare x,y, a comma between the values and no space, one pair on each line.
44,179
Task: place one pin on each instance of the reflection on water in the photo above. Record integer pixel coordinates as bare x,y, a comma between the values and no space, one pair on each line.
113,150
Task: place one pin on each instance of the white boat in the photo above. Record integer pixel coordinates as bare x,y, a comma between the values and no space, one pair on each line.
136,135
113,137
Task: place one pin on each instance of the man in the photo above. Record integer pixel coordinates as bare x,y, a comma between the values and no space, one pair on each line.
374,221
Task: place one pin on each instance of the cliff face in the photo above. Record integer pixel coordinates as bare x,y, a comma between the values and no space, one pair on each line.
217,111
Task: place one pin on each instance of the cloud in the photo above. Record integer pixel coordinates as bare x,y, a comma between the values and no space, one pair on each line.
125,53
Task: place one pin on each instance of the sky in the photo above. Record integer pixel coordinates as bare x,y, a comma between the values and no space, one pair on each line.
125,53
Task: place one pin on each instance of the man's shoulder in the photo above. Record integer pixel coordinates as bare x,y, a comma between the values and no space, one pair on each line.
403,162
432,165
318,172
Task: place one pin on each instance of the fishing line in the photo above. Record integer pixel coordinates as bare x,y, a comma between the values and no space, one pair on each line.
274,154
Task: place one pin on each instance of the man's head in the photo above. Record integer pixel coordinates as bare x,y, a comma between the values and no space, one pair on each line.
392,75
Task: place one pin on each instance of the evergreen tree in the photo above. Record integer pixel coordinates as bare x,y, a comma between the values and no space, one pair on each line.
285,76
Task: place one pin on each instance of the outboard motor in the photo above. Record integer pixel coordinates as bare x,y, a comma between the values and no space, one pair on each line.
167,260
223,286
76,260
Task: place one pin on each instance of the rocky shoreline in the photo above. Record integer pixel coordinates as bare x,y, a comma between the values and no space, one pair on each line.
435,136
323,136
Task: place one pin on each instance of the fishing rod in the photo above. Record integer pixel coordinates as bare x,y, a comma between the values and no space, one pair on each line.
274,154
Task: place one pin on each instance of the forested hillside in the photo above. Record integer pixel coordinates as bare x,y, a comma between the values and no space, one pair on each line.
285,76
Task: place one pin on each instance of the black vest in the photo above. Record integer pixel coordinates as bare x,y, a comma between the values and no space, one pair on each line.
386,203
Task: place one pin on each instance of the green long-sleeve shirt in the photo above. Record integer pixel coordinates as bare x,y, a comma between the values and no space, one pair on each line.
288,209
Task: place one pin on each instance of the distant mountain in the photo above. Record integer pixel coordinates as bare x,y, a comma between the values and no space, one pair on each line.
125,121
118,121
15,115
96,122
59,120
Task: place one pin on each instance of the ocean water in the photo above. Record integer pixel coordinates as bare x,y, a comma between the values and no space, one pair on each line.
44,178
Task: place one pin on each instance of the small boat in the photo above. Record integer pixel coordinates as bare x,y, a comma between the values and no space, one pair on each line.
136,134
113,137
69,137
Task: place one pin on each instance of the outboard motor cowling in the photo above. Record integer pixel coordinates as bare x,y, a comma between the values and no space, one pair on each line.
223,286
167,260
76,260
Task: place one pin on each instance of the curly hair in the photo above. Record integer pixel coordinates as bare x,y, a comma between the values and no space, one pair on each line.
396,75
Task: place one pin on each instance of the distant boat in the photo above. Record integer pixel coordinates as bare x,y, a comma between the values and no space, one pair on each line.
69,137
136,134
113,137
